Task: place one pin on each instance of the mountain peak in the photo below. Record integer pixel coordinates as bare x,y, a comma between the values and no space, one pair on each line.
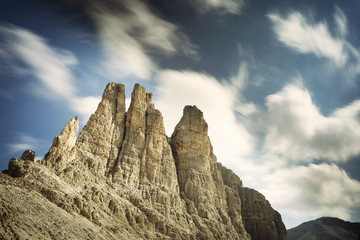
124,178
325,228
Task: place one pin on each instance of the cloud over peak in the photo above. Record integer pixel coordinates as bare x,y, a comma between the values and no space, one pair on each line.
230,138
130,37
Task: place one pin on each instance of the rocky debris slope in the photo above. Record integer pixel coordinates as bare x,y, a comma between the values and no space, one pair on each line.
123,178
326,228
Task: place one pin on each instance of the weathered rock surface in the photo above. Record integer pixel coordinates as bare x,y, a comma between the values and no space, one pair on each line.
28,155
122,178
200,181
260,219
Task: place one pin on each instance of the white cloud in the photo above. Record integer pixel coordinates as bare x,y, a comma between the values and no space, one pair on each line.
240,80
46,64
22,142
307,37
176,89
222,6
156,32
84,106
341,22
297,131
312,191
50,66
129,37
125,55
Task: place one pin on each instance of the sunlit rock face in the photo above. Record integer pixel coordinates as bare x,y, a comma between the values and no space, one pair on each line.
200,180
123,178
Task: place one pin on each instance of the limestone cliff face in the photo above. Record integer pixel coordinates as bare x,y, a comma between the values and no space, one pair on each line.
260,219
200,181
101,139
122,178
62,151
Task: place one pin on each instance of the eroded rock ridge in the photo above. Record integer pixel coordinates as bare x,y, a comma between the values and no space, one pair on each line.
123,178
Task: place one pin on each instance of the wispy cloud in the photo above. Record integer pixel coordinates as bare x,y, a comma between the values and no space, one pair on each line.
306,36
22,142
341,22
50,66
303,34
130,37
124,55
220,6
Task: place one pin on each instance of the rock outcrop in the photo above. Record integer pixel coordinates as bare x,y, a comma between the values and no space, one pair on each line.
200,180
123,178
326,228
28,155
260,219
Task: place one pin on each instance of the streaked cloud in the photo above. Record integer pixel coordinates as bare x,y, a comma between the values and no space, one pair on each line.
220,6
22,142
297,131
124,54
341,22
51,67
312,191
309,37
130,37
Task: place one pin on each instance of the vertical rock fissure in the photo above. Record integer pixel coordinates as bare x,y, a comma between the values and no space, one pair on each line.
113,118
117,126
143,153
117,159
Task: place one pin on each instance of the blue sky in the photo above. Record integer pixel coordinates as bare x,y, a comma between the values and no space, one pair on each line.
278,82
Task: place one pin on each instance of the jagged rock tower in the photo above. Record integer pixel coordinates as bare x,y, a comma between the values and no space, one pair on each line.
123,178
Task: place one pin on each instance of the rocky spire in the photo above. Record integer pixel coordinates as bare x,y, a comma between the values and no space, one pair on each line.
145,156
195,161
200,181
127,168
123,176
100,140
62,150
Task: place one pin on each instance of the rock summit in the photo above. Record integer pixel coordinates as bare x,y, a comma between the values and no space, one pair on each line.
121,177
